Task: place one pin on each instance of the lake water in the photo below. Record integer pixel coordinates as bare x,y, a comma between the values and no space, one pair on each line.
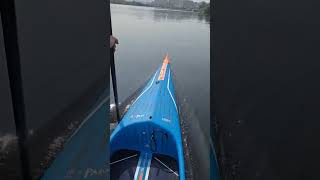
146,34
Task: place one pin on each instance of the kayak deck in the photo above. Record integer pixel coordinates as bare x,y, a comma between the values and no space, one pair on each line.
135,165
123,164
151,126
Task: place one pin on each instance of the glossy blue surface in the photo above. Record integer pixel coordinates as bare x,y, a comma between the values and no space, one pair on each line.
151,125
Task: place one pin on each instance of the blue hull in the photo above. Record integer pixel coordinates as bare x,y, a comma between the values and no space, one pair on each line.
151,126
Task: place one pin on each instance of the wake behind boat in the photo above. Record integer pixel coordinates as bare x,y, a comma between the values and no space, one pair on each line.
147,142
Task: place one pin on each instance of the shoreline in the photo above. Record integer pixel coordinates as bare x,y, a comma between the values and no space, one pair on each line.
160,8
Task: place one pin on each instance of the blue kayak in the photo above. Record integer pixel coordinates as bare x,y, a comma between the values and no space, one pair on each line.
147,142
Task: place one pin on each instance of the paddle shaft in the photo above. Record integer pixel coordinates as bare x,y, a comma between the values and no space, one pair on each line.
113,76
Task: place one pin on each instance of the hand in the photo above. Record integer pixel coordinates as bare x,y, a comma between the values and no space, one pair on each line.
113,42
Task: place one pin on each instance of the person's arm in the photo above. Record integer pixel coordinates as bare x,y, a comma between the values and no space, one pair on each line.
113,42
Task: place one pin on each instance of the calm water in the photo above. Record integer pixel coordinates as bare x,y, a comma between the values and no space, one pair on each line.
146,34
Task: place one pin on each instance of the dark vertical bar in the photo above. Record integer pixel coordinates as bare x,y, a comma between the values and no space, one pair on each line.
7,9
113,74
266,88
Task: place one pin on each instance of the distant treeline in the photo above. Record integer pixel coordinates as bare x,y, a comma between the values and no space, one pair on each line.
133,3
202,8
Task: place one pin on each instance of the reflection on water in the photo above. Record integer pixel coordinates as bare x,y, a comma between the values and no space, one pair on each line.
165,14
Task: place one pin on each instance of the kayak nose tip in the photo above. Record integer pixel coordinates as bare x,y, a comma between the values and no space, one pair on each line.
166,58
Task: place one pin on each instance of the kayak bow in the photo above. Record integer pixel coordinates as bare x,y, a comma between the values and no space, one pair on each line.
147,142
